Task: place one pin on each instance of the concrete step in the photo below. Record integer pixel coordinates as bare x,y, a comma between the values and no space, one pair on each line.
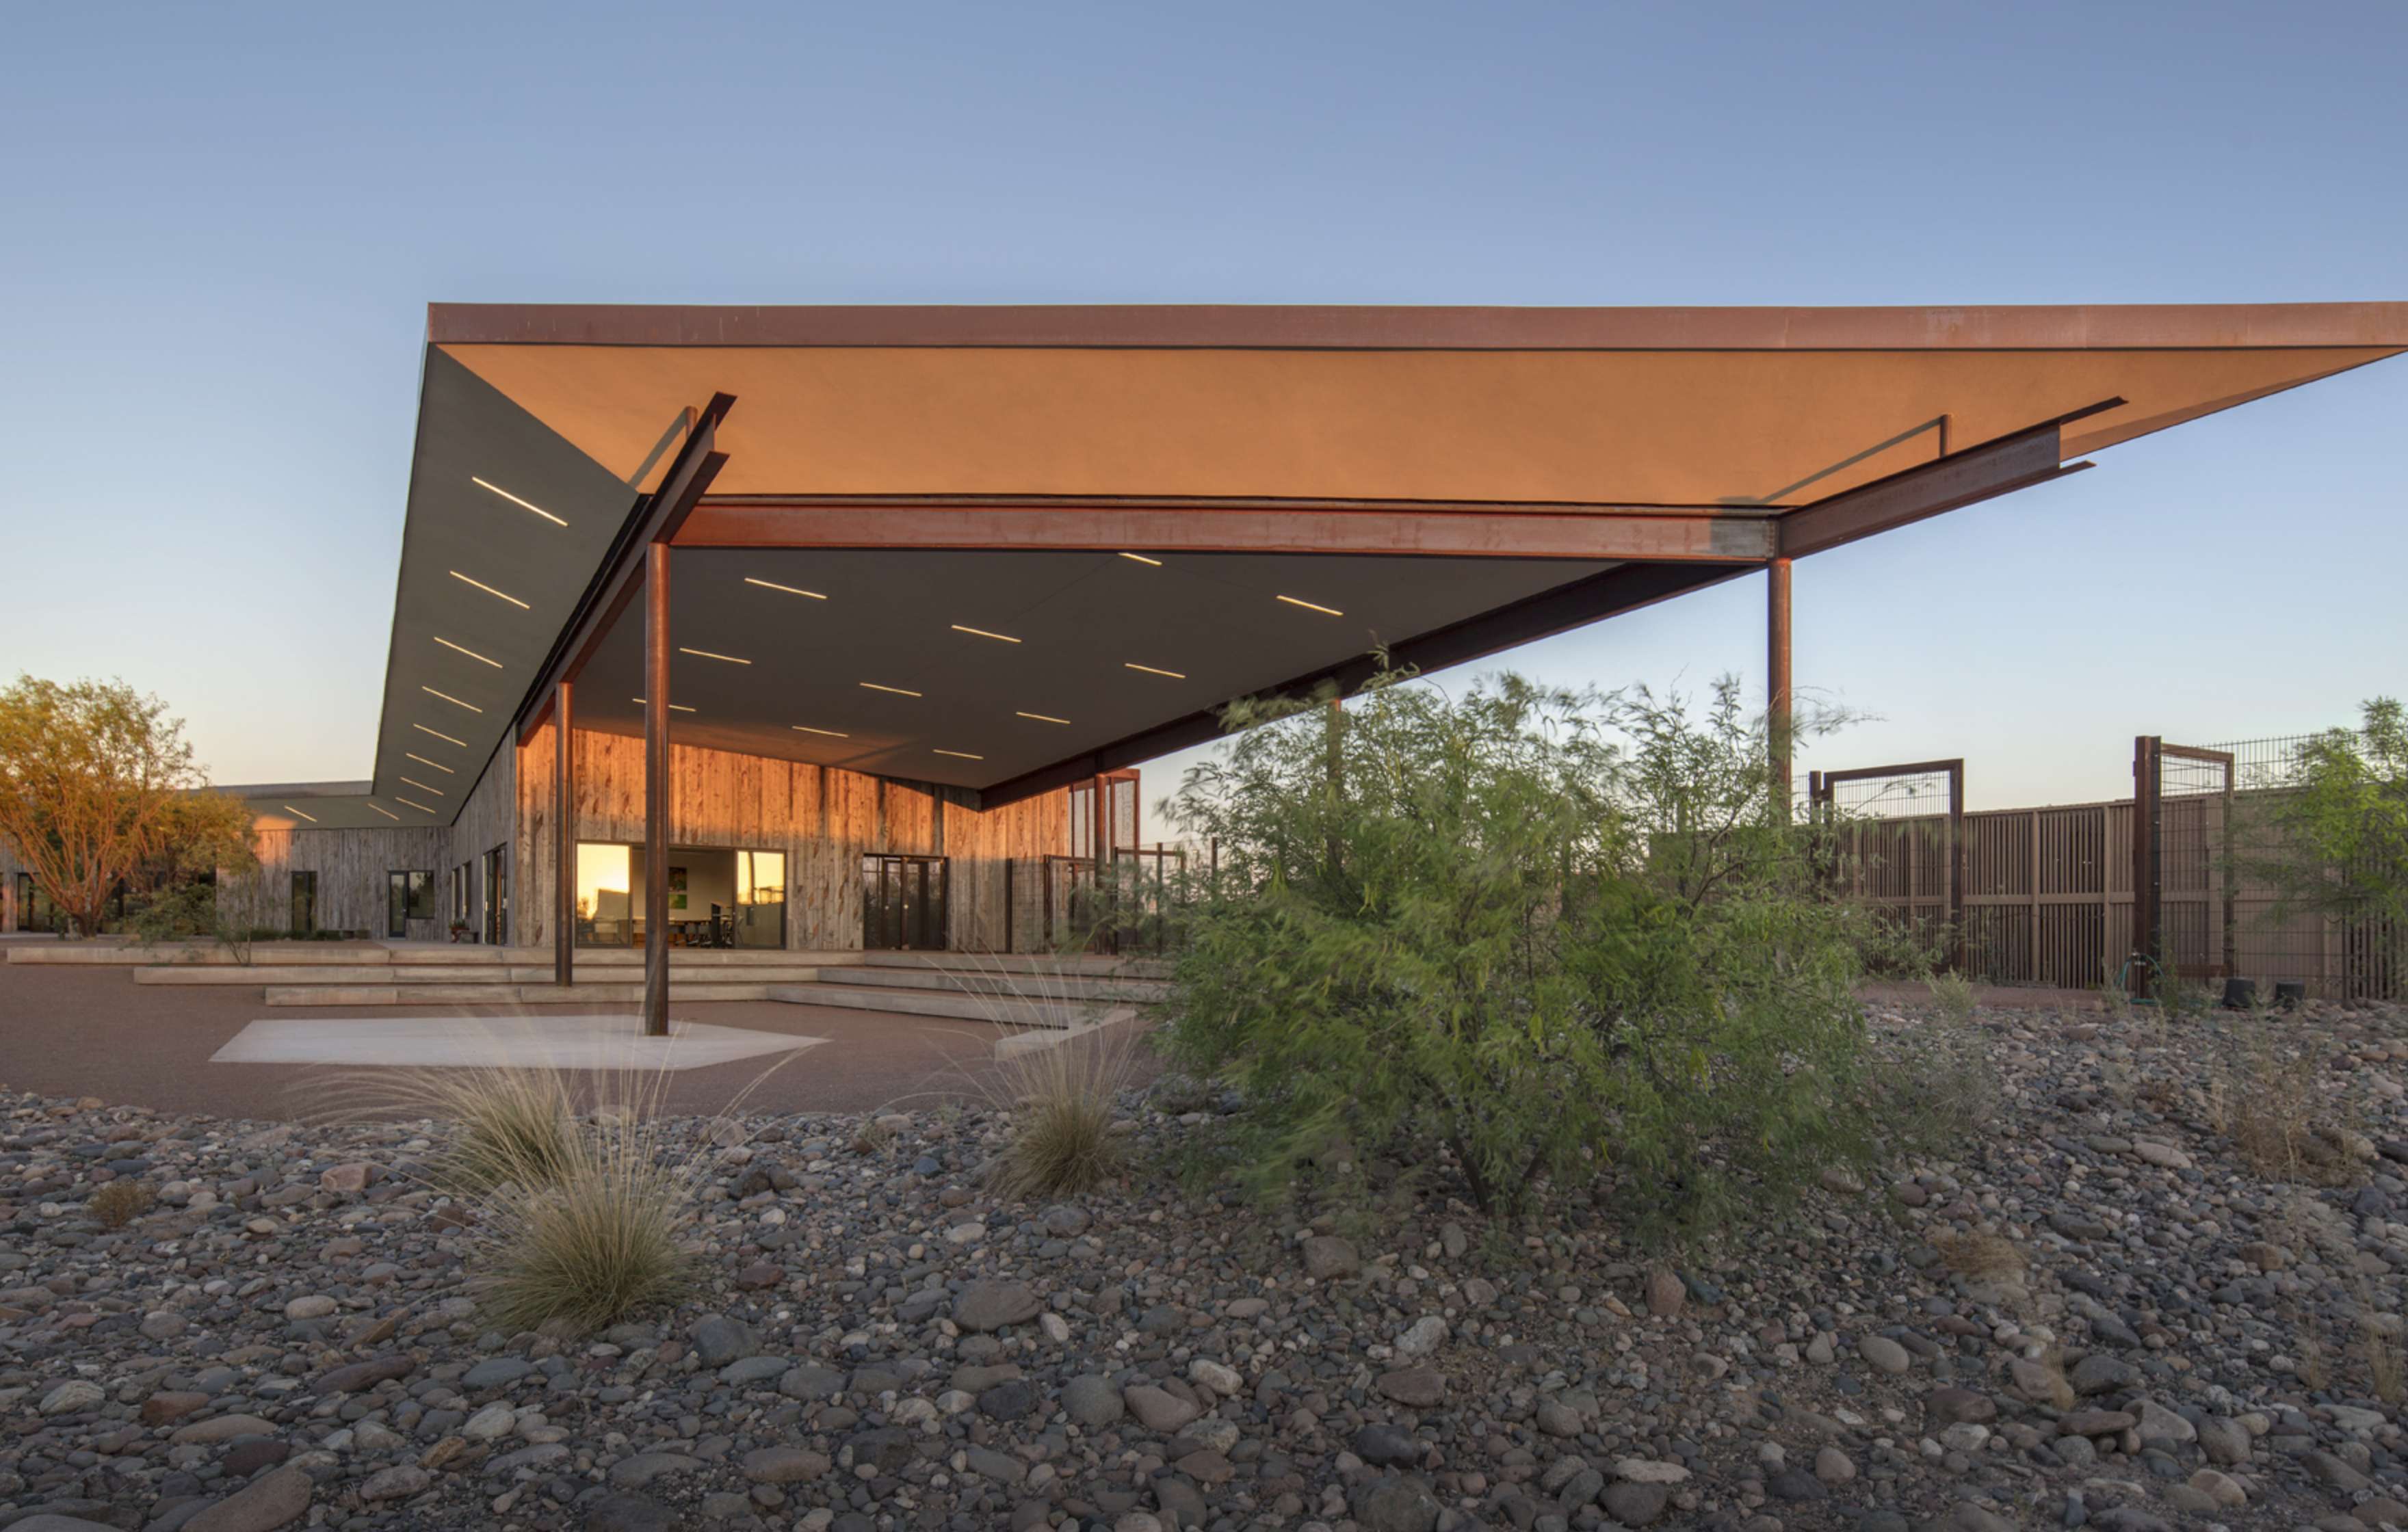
971,980
613,991
1082,964
182,954
953,1005
463,977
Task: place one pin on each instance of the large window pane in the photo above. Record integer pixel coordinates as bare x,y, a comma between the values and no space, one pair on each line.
605,895
761,899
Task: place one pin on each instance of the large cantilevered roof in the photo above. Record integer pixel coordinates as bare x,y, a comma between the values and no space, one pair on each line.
939,501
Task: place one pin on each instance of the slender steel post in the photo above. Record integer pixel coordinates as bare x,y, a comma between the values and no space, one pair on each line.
1778,720
1958,855
564,829
2147,825
656,790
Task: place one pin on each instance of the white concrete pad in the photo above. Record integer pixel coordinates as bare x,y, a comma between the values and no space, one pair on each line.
614,1043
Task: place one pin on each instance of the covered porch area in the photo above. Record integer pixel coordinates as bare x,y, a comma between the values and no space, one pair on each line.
957,562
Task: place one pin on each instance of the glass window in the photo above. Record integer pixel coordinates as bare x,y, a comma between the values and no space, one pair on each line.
34,911
305,904
605,895
497,895
761,899
408,897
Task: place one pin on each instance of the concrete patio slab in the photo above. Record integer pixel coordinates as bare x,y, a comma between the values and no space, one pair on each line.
601,1042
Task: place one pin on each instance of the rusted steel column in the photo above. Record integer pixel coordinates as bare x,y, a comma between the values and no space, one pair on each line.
1958,853
656,790
564,828
2146,823
1778,718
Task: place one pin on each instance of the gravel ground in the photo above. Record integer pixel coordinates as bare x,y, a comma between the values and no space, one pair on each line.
2147,1332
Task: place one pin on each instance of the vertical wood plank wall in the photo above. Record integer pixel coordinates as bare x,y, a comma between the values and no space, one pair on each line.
2048,894
8,870
821,817
353,866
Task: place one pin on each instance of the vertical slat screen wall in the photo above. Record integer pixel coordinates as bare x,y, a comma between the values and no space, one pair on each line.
823,819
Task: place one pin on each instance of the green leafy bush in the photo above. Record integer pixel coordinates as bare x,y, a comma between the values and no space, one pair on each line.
1531,935
2328,833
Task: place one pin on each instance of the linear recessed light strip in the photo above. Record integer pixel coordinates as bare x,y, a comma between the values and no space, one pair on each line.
1041,718
674,707
523,504
790,590
290,809
898,691
490,591
407,804
1152,671
960,754
706,654
465,650
833,733
1141,558
441,735
412,781
982,633
385,811
449,698
1310,606
424,762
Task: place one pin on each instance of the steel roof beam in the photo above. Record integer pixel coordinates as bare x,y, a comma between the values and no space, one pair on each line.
1679,534
656,518
2018,460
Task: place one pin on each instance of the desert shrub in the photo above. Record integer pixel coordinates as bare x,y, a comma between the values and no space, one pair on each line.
599,1243
2327,830
1952,996
1937,1081
119,1203
1064,1100
1540,933
2264,1098
1982,1255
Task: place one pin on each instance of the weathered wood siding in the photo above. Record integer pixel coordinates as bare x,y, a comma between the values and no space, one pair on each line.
823,819
9,867
353,866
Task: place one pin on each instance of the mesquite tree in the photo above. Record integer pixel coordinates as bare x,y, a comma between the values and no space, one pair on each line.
1526,936
98,790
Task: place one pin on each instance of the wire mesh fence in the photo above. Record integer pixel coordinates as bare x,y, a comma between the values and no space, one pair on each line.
1896,839
2167,882
2335,953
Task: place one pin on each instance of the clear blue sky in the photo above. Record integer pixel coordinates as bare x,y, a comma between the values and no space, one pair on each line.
222,224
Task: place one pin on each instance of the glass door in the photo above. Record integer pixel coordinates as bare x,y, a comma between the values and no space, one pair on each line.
903,903
498,895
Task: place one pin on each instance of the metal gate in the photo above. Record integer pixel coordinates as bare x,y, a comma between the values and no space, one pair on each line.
2183,885
1896,839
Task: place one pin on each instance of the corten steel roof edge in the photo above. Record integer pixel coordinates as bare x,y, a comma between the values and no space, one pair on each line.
1232,326
293,790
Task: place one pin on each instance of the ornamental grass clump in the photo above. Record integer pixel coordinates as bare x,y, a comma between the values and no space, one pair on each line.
600,1242
576,1193
501,1124
1063,1101
1525,937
